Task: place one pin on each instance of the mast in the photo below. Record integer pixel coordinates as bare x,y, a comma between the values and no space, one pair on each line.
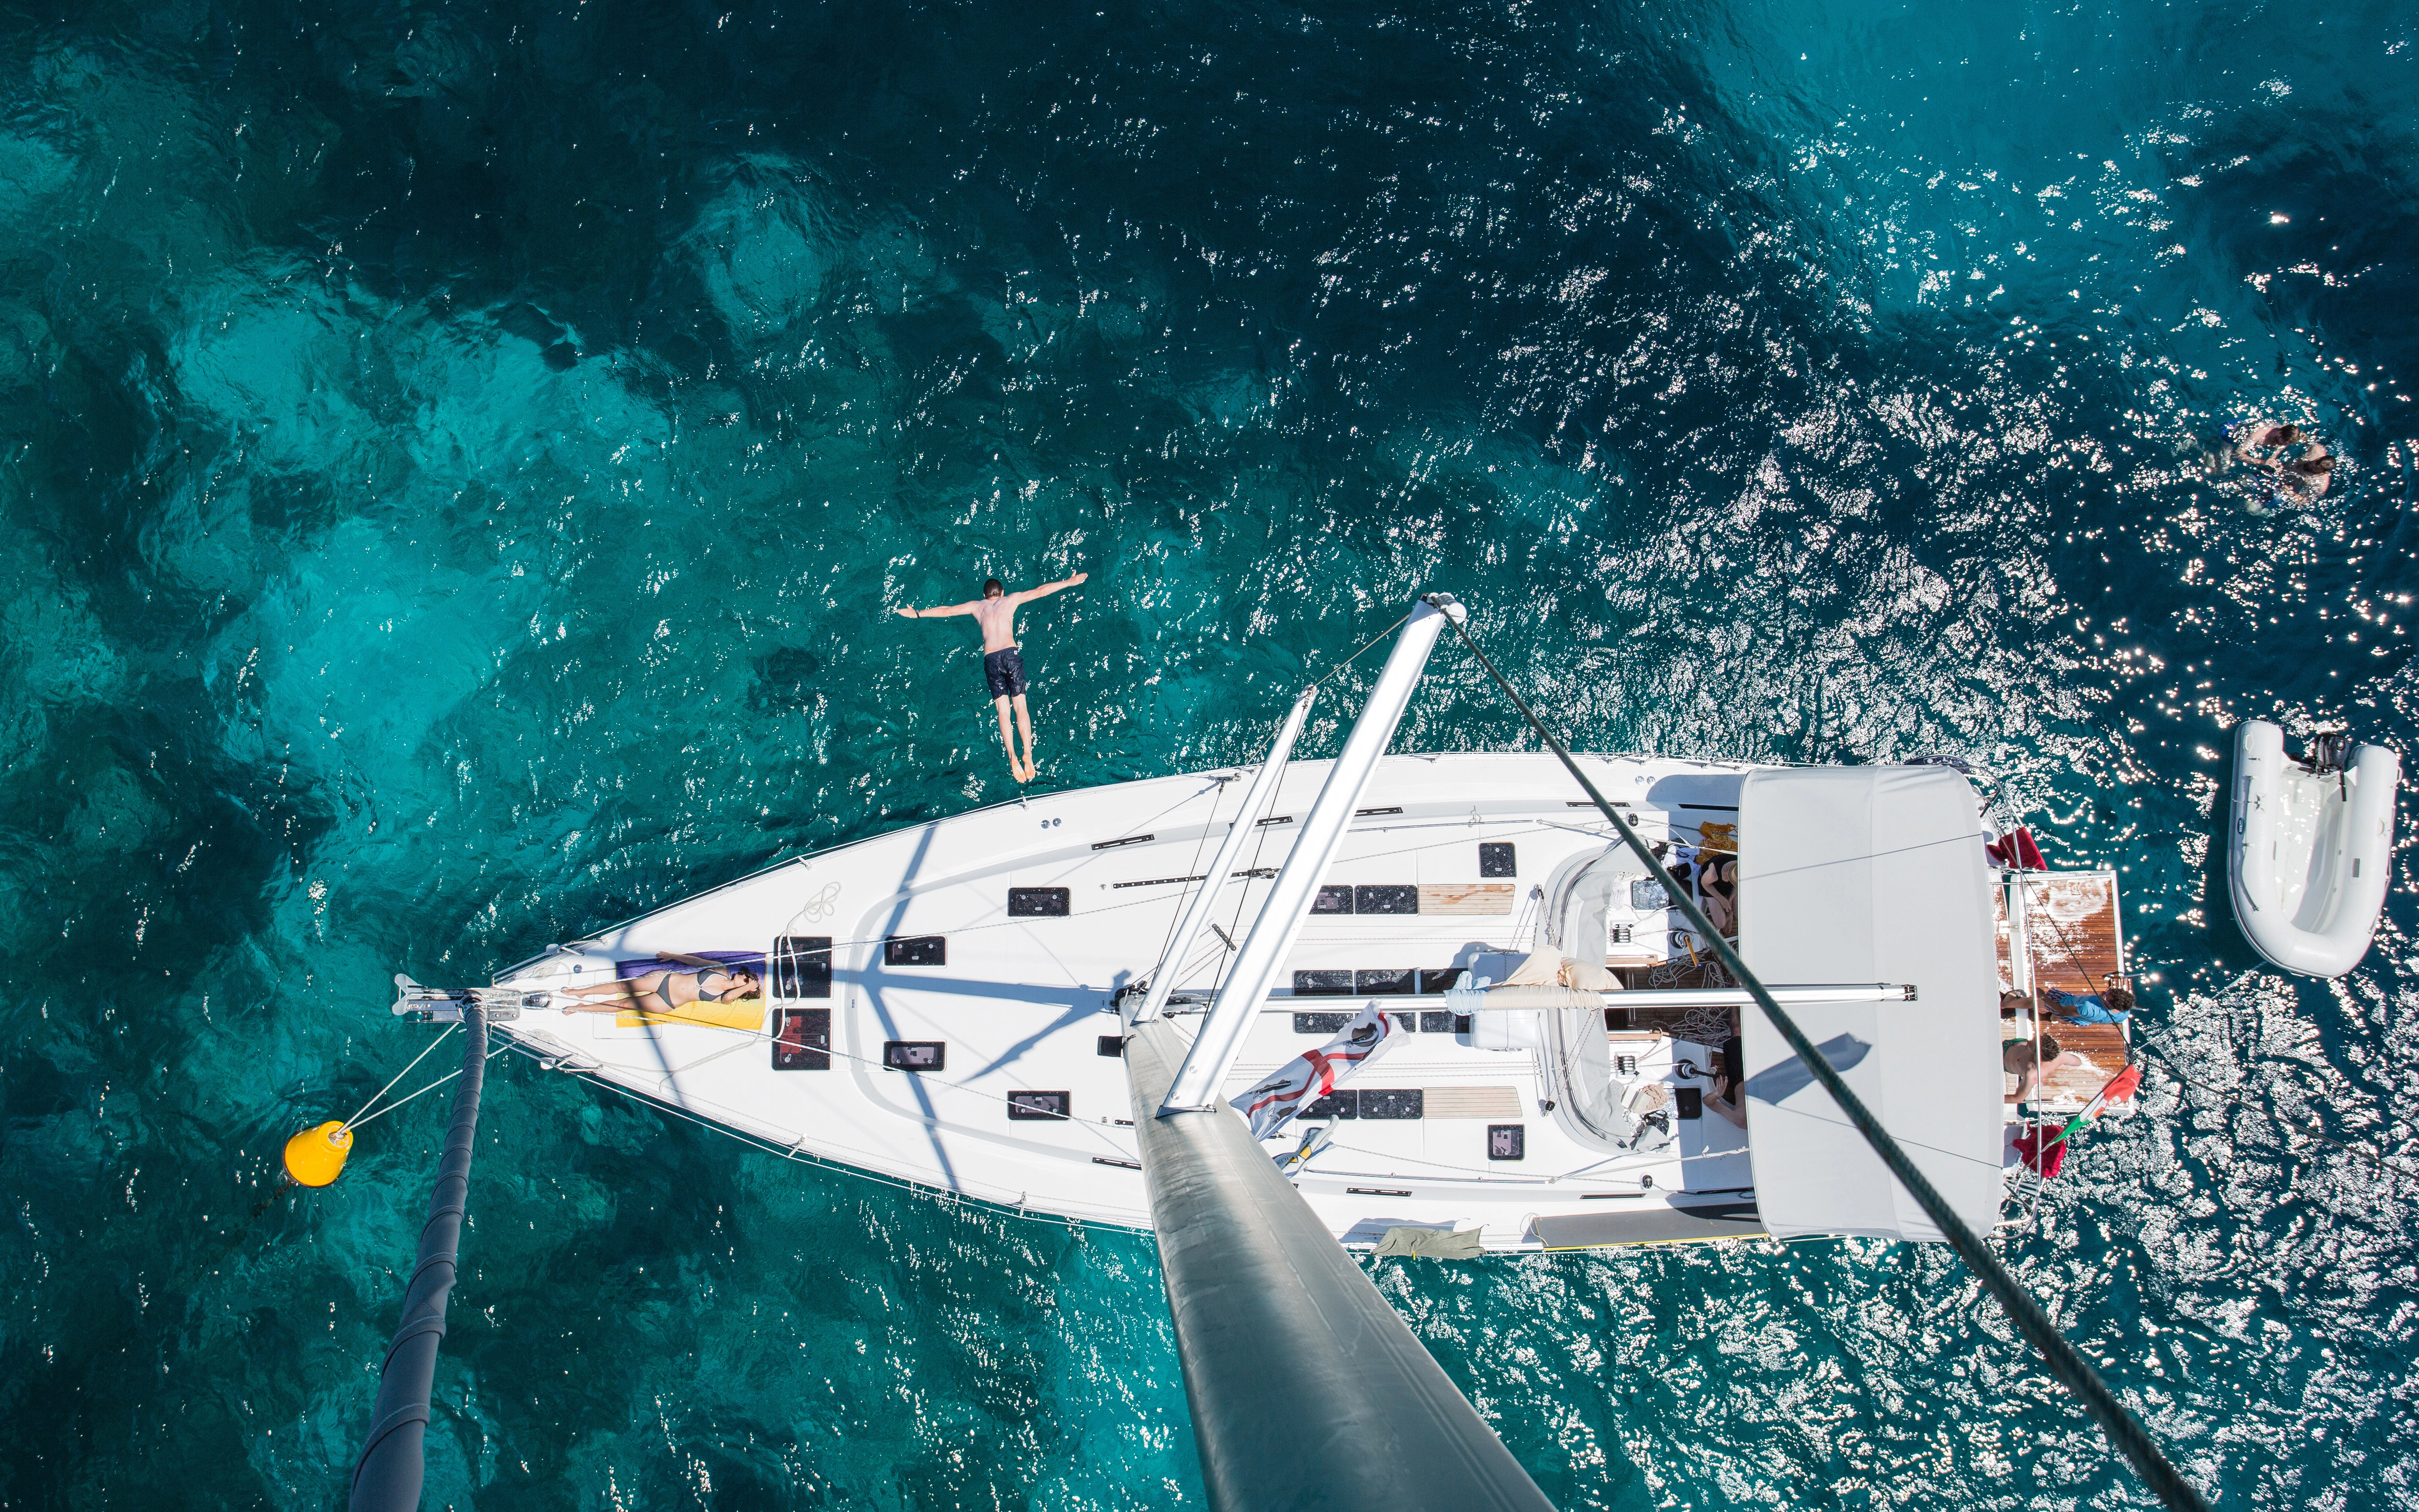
1307,1390
1280,920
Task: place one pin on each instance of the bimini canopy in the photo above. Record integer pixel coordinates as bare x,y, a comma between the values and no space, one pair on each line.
1870,875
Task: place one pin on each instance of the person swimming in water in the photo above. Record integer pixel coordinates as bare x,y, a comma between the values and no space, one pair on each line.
2306,476
660,992
1003,659
2251,438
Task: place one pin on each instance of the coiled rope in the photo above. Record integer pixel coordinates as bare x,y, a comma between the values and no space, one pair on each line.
2064,1361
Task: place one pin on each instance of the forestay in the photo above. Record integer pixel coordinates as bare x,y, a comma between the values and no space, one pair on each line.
1871,874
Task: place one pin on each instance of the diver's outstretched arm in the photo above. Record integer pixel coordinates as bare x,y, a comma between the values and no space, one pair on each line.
1029,596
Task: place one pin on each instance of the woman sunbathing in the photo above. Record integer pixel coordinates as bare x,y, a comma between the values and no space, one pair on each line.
661,991
1719,885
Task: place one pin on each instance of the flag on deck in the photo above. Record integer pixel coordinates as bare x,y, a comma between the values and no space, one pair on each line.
2119,1089
1313,1074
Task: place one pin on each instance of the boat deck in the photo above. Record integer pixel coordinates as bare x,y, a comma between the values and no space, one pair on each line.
2071,940
944,1002
2104,1053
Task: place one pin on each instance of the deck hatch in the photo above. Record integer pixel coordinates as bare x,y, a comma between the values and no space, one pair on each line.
1507,1141
915,951
1385,981
1398,1103
1372,898
1040,902
1320,1023
1434,982
1343,1104
802,1039
802,965
1497,858
915,1054
1392,1103
1322,984
1057,1105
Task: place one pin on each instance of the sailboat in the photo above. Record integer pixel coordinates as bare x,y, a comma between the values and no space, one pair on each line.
1567,1065
1493,1015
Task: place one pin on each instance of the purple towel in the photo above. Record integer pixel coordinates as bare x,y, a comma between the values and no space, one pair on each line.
751,960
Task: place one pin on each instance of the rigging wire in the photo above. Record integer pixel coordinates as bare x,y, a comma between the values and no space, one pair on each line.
2064,1361
1175,916
356,1118
1242,896
1356,654
359,1121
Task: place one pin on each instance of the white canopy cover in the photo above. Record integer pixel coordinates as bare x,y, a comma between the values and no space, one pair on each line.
1871,874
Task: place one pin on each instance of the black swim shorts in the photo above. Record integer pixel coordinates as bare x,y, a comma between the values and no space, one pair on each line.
1004,672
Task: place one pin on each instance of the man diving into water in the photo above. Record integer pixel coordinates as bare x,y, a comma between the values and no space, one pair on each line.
1003,662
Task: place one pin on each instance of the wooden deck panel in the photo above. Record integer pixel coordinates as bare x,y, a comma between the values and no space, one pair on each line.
2075,936
1465,897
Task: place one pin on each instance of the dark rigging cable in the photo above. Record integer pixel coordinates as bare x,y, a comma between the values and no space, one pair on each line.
2064,1361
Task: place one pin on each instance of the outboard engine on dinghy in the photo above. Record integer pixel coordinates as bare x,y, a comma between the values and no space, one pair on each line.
2310,848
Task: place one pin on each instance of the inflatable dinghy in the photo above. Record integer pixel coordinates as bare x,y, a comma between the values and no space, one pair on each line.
2313,848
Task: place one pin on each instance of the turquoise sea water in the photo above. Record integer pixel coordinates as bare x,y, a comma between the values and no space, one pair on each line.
455,465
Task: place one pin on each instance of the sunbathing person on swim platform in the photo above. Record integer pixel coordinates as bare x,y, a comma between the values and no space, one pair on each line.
1003,659
661,991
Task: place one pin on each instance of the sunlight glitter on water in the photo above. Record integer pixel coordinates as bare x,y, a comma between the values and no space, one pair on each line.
456,468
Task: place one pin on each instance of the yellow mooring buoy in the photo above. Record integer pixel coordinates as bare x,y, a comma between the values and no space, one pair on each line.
315,1157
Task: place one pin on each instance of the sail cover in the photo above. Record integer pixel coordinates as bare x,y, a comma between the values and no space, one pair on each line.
1870,875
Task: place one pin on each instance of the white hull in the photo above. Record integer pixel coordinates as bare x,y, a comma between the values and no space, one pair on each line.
1027,1004
2310,854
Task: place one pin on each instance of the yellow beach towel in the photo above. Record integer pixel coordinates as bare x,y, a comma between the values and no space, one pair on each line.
744,1014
